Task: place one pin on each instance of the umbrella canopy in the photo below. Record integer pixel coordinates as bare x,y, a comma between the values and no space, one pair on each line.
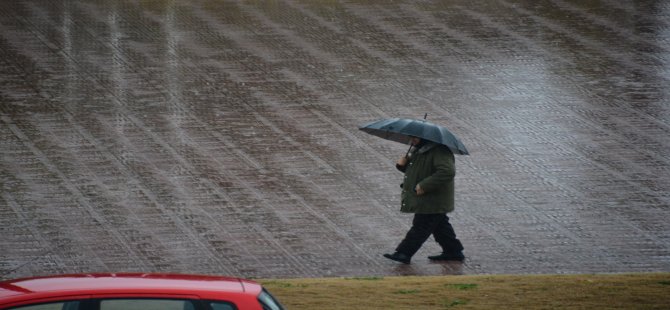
401,129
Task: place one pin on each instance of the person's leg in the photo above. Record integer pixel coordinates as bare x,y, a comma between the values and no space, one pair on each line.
423,226
445,236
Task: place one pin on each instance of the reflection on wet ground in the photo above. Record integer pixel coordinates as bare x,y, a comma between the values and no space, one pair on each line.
221,137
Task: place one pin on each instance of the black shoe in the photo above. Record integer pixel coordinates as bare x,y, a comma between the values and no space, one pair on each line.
449,256
398,257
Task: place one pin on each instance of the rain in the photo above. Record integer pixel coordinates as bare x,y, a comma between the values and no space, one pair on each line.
221,137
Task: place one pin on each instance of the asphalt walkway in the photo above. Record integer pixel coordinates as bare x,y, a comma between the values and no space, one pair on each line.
222,136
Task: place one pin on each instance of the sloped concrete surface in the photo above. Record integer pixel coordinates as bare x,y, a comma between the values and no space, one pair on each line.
221,137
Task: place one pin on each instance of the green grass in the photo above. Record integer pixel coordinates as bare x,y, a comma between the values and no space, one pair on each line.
597,291
461,286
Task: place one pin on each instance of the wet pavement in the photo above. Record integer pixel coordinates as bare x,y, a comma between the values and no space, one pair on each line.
222,137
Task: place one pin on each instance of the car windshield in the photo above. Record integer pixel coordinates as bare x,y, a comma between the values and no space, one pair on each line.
268,301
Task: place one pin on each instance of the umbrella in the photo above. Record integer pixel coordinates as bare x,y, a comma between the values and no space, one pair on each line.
401,129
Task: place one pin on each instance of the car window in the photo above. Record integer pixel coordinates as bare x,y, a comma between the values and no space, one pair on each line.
217,305
63,305
146,304
268,301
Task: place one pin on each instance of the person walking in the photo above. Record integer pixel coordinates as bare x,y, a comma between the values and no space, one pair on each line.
428,192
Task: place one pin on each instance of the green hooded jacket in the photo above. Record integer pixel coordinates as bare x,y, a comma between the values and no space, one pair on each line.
432,166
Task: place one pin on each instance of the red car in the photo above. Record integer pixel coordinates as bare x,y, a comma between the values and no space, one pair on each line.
135,291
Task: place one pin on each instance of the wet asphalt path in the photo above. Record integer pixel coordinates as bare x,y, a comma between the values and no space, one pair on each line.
221,137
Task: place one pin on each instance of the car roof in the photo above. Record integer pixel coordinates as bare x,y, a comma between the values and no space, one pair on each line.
98,284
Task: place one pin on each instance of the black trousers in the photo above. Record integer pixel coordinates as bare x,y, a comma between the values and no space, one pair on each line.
424,225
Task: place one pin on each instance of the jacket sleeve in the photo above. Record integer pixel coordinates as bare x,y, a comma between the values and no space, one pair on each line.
444,170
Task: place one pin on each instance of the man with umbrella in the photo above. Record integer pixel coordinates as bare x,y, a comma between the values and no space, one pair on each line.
428,185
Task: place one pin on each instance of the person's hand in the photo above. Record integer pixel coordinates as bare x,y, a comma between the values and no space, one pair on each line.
402,161
419,191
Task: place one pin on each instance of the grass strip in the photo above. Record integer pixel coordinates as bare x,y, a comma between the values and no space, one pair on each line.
582,291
